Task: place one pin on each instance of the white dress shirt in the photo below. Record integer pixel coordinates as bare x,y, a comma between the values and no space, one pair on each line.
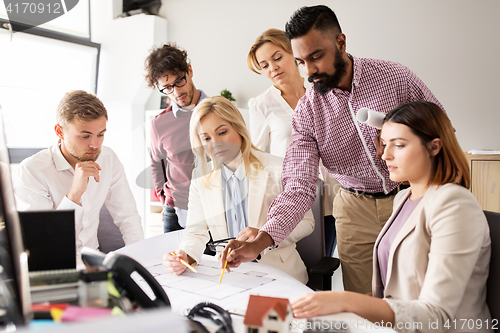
270,122
42,181
235,197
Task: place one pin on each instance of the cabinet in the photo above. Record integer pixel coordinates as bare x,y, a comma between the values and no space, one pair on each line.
485,180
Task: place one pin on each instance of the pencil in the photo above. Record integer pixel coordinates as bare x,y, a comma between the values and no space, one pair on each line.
184,263
225,264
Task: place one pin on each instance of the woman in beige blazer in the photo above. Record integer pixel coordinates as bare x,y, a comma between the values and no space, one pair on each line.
218,130
431,259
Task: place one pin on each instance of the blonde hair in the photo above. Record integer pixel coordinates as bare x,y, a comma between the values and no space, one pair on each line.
228,112
81,105
275,36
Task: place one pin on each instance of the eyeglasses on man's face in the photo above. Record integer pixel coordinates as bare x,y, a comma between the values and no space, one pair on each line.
167,90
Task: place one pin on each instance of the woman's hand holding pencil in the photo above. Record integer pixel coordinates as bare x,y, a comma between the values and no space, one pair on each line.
177,262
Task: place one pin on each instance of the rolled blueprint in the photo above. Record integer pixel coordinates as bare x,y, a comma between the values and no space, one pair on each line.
370,117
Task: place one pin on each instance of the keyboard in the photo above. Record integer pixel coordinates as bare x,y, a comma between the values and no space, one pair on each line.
50,277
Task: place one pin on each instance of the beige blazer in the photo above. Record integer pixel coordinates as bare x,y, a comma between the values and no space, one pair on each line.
438,264
206,213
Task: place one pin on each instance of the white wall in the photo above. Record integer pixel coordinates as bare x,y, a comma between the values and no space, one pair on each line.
452,45
125,44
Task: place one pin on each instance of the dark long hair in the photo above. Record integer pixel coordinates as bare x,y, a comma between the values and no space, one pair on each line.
427,121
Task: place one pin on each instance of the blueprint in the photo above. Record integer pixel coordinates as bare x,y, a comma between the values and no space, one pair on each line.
206,281
190,288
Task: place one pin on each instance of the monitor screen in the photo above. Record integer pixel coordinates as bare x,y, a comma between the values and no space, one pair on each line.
49,239
14,278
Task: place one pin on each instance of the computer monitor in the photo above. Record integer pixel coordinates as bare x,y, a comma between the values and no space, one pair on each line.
13,259
49,239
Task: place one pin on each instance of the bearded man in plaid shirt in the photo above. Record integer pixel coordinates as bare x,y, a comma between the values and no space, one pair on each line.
325,127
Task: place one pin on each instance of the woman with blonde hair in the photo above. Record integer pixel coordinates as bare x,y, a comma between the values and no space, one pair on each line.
271,112
230,196
431,259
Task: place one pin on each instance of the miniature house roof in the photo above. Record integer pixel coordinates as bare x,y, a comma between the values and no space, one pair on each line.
260,306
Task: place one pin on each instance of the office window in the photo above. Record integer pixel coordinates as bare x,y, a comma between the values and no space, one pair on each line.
36,72
38,66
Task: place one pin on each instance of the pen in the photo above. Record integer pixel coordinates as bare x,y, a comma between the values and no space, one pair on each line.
225,264
184,263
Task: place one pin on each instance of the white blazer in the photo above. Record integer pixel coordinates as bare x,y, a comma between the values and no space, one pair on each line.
439,261
206,213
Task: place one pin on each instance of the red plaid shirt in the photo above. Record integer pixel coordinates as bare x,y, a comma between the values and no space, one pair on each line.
325,126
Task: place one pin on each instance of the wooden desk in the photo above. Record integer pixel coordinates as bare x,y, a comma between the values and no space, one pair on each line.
485,180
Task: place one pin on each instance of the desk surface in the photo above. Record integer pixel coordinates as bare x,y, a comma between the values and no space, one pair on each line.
188,289
191,288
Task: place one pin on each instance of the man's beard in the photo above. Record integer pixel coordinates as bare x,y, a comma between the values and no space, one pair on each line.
330,81
84,158
189,98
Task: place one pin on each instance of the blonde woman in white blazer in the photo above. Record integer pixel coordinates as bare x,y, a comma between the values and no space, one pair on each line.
431,259
218,130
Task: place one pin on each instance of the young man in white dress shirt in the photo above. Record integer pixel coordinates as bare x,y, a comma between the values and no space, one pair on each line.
79,173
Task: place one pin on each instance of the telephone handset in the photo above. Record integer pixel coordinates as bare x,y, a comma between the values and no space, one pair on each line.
213,312
125,271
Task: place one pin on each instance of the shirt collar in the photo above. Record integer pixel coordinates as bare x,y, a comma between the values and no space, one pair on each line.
356,65
59,160
176,108
240,173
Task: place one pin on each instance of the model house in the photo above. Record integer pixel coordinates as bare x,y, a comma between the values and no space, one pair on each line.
267,314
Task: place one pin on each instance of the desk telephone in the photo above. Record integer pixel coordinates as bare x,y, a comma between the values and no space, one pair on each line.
124,271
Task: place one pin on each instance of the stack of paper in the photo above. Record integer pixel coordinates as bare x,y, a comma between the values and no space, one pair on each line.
484,151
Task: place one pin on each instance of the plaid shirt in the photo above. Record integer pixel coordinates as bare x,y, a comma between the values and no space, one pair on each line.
325,126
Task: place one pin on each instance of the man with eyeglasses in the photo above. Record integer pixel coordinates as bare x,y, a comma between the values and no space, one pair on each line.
172,160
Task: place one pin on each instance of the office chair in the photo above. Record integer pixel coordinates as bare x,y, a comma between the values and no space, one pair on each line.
109,235
320,267
493,283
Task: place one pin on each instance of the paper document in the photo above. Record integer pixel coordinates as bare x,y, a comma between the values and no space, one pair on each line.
484,151
189,288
